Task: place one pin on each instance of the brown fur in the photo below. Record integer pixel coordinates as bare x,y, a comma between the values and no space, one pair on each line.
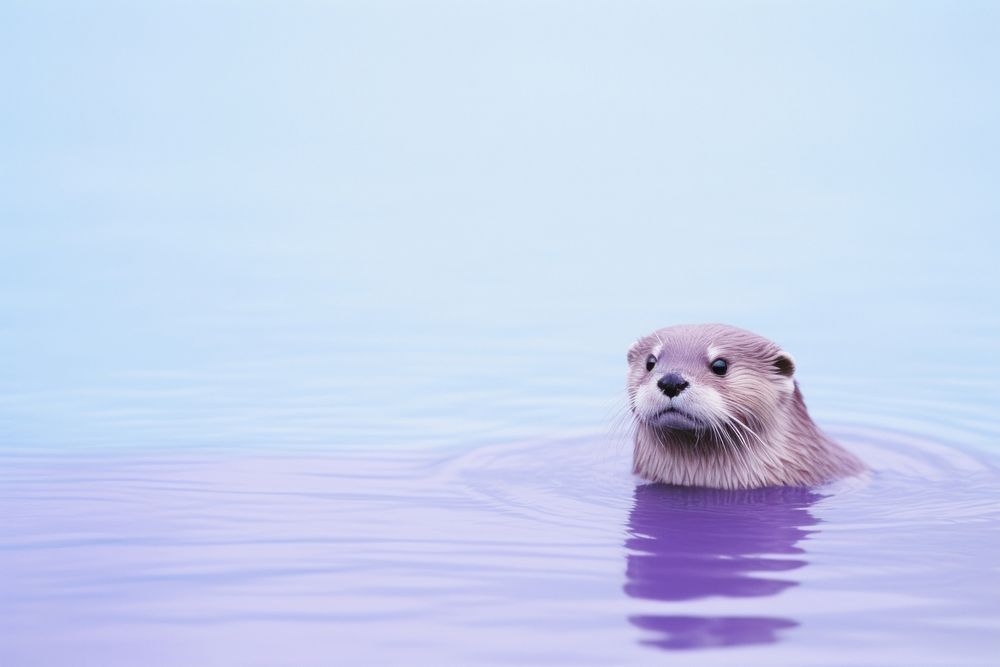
746,429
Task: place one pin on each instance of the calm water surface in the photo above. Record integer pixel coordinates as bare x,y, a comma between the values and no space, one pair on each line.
496,550
313,320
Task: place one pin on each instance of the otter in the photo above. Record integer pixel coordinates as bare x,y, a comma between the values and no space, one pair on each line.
717,406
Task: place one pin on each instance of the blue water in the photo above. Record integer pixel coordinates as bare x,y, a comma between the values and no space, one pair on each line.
313,322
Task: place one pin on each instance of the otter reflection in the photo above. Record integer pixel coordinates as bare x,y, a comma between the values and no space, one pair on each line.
690,543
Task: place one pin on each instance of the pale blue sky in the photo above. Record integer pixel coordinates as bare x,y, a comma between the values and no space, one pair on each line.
187,183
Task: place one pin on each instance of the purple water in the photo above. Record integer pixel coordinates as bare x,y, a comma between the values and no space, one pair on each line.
538,552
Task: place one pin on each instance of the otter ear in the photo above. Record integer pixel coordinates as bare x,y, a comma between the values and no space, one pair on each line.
633,351
784,363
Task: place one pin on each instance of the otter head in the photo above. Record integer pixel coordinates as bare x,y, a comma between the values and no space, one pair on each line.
717,406
707,379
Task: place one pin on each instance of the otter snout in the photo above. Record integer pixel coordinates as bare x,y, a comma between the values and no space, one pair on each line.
672,384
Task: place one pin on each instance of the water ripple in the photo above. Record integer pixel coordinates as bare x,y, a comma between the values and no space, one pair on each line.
493,537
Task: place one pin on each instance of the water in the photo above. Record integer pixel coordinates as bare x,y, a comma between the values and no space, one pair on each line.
544,551
313,324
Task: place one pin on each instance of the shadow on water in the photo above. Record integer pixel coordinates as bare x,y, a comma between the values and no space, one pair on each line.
686,544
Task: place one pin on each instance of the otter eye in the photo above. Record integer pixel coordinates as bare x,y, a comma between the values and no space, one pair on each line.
720,366
650,362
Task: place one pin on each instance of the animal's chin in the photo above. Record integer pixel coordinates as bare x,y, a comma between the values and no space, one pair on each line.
673,419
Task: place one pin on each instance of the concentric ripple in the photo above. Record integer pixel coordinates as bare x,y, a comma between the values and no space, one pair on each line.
535,550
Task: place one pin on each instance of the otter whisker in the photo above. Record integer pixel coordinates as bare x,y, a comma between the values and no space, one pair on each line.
742,451
762,451
737,456
749,430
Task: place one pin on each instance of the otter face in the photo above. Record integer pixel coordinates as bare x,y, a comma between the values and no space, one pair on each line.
707,377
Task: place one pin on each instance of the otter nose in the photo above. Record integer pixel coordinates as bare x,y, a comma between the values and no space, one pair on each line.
671,384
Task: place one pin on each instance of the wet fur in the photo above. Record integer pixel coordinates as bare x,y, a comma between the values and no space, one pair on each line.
752,427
